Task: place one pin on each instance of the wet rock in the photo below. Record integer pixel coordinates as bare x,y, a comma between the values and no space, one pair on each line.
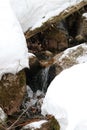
36,76
34,63
31,73
12,91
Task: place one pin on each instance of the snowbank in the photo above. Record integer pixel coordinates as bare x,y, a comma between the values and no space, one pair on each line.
66,98
13,49
33,13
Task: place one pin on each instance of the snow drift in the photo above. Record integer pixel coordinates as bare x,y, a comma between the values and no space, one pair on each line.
66,98
33,13
13,49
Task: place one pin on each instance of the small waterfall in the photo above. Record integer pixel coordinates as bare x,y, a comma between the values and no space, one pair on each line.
44,80
40,80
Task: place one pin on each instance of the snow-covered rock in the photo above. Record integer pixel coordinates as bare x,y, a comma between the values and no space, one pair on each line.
66,98
13,48
70,57
33,13
34,125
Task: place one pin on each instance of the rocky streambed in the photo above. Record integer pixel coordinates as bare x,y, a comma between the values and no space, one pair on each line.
55,49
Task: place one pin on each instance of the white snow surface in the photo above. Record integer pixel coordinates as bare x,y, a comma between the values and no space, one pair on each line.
3,116
85,15
33,13
34,125
13,48
66,98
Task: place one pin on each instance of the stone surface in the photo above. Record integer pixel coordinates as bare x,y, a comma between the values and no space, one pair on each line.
31,73
82,29
56,39
12,90
71,56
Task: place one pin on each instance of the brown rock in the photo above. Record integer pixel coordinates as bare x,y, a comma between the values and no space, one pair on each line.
12,90
56,40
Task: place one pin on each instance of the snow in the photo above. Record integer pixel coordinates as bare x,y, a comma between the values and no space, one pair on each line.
3,116
13,48
33,13
31,55
66,98
34,125
85,15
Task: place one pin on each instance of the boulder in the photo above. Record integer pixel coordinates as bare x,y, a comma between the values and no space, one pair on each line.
12,90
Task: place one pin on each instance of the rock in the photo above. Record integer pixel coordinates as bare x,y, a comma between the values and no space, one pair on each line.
34,68
44,55
12,91
56,39
31,73
71,56
82,29
50,124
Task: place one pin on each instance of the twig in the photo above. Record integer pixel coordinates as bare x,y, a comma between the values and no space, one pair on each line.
9,128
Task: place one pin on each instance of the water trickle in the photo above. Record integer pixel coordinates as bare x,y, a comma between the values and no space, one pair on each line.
44,81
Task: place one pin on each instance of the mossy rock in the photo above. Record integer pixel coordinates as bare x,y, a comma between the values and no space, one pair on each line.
12,90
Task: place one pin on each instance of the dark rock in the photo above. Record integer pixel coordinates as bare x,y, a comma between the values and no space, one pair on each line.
32,72
12,91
